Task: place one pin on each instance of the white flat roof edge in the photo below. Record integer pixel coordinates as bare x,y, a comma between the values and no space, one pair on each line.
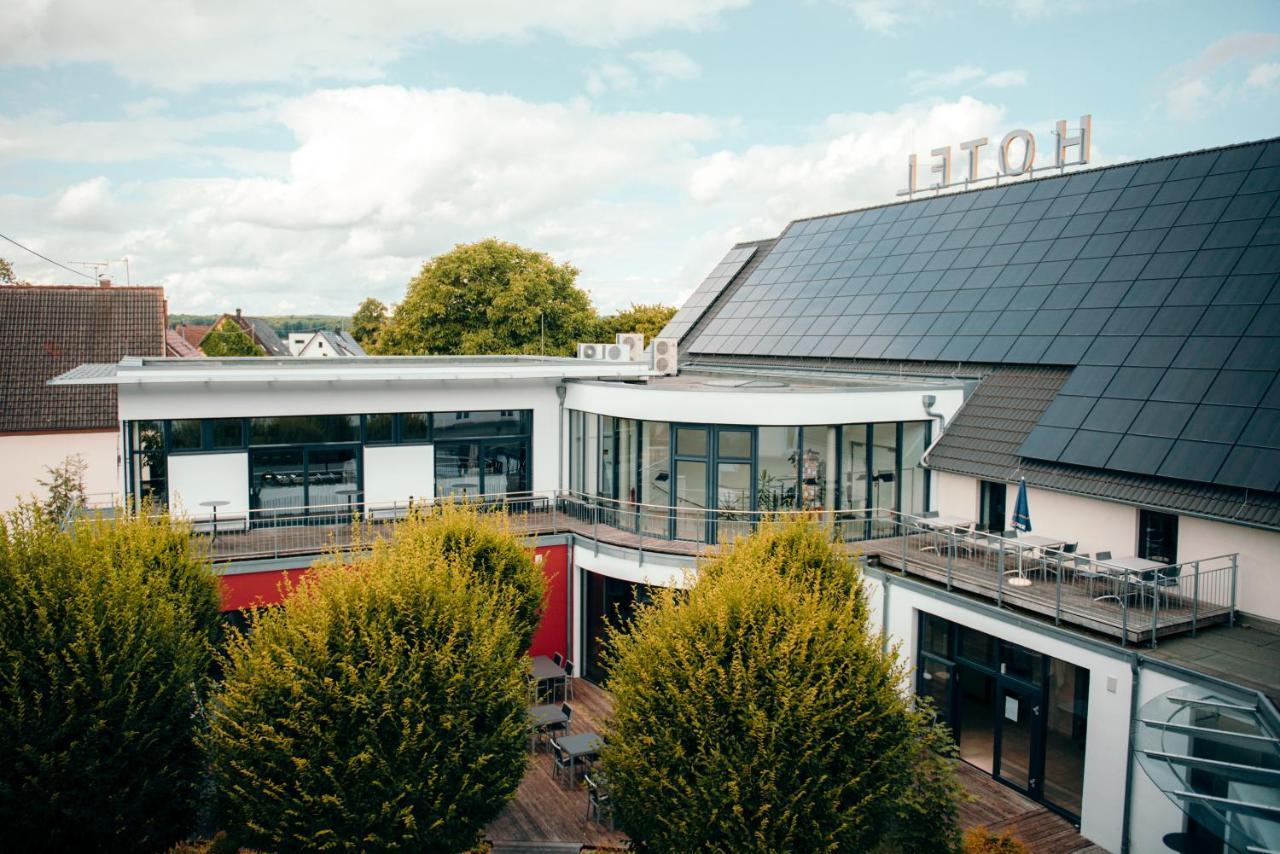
149,376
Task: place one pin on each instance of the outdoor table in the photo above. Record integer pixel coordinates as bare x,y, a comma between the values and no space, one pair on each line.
1026,544
579,746
546,670
348,491
941,522
215,505
1138,564
544,716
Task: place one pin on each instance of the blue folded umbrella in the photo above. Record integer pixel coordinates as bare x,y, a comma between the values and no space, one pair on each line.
1021,512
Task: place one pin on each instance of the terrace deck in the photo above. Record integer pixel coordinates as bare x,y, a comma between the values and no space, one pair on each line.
544,814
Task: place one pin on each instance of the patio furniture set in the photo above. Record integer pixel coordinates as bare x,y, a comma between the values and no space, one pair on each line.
572,754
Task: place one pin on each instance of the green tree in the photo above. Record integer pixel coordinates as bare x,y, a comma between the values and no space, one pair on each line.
6,273
490,297
107,633
456,535
65,486
382,706
758,711
228,339
368,321
648,319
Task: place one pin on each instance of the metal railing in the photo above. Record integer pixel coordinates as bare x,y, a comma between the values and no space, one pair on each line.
1132,605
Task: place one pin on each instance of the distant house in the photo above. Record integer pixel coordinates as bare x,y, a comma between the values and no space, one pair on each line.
49,329
176,344
192,333
257,329
322,343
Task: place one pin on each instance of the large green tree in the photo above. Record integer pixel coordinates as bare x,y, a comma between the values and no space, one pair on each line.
490,297
6,273
383,705
759,711
368,321
107,633
648,319
228,339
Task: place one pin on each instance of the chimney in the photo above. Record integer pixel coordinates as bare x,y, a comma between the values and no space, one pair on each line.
237,314
104,282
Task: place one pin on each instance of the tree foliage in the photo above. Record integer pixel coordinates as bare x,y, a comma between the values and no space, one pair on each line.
368,321
106,637
490,297
65,486
382,706
759,712
7,276
455,534
229,339
648,319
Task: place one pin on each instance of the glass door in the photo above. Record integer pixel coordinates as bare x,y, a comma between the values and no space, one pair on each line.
692,487
332,478
1018,739
506,468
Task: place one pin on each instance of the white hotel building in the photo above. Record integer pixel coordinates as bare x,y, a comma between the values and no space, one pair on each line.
1111,337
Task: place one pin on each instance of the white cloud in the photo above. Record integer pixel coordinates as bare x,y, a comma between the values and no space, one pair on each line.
650,70
1190,90
1263,76
888,17
378,179
972,76
187,43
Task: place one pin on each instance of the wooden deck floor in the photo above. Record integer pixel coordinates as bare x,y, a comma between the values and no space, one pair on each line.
545,812
999,809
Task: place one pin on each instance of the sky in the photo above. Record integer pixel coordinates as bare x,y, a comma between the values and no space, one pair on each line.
297,157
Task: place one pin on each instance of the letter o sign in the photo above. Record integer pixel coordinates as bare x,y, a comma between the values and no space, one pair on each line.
1028,152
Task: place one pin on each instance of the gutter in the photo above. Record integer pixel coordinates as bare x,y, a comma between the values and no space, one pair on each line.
1135,671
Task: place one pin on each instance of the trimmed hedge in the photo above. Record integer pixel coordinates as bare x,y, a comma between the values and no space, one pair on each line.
382,706
758,712
107,632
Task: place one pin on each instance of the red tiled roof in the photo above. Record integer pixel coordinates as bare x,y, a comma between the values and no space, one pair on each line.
176,345
50,329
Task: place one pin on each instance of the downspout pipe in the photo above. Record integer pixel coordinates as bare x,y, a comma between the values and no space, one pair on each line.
1135,670
561,456
929,401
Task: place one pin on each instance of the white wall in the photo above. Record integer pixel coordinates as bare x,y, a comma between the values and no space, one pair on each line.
230,400
1258,590
1153,814
194,478
24,457
707,405
398,472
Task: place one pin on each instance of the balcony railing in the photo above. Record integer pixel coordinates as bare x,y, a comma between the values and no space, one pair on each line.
1132,605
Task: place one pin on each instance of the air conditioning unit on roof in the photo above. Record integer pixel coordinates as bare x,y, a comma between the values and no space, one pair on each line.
604,352
634,344
664,356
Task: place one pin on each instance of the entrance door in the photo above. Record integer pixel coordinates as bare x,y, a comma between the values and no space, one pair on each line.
1018,738
506,468
691,500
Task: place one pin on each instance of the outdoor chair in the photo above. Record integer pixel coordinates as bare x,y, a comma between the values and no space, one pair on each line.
560,762
599,806
568,679
552,730
1163,578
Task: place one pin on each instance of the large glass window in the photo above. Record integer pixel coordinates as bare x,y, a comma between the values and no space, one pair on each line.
915,439
577,445
853,480
1065,733
150,462
379,428
474,424
415,426
278,479
991,506
884,466
331,476
185,435
304,429
458,470
628,445
608,457
227,433
655,477
818,467
777,453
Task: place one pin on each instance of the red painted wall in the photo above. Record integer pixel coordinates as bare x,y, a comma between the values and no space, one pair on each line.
251,589
552,635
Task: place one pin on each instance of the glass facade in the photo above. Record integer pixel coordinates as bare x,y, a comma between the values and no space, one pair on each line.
312,461
1017,714
677,472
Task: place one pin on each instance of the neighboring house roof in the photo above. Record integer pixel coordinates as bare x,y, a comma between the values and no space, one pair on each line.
194,333
1146,296
50,329
257,329
175,344
324,342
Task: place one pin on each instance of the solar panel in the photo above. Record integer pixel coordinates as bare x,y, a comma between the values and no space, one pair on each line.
1158,282
705,294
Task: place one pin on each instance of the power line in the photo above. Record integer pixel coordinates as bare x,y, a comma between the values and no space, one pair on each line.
50,260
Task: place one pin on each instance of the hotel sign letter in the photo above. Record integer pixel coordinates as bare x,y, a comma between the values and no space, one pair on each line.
1015,155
